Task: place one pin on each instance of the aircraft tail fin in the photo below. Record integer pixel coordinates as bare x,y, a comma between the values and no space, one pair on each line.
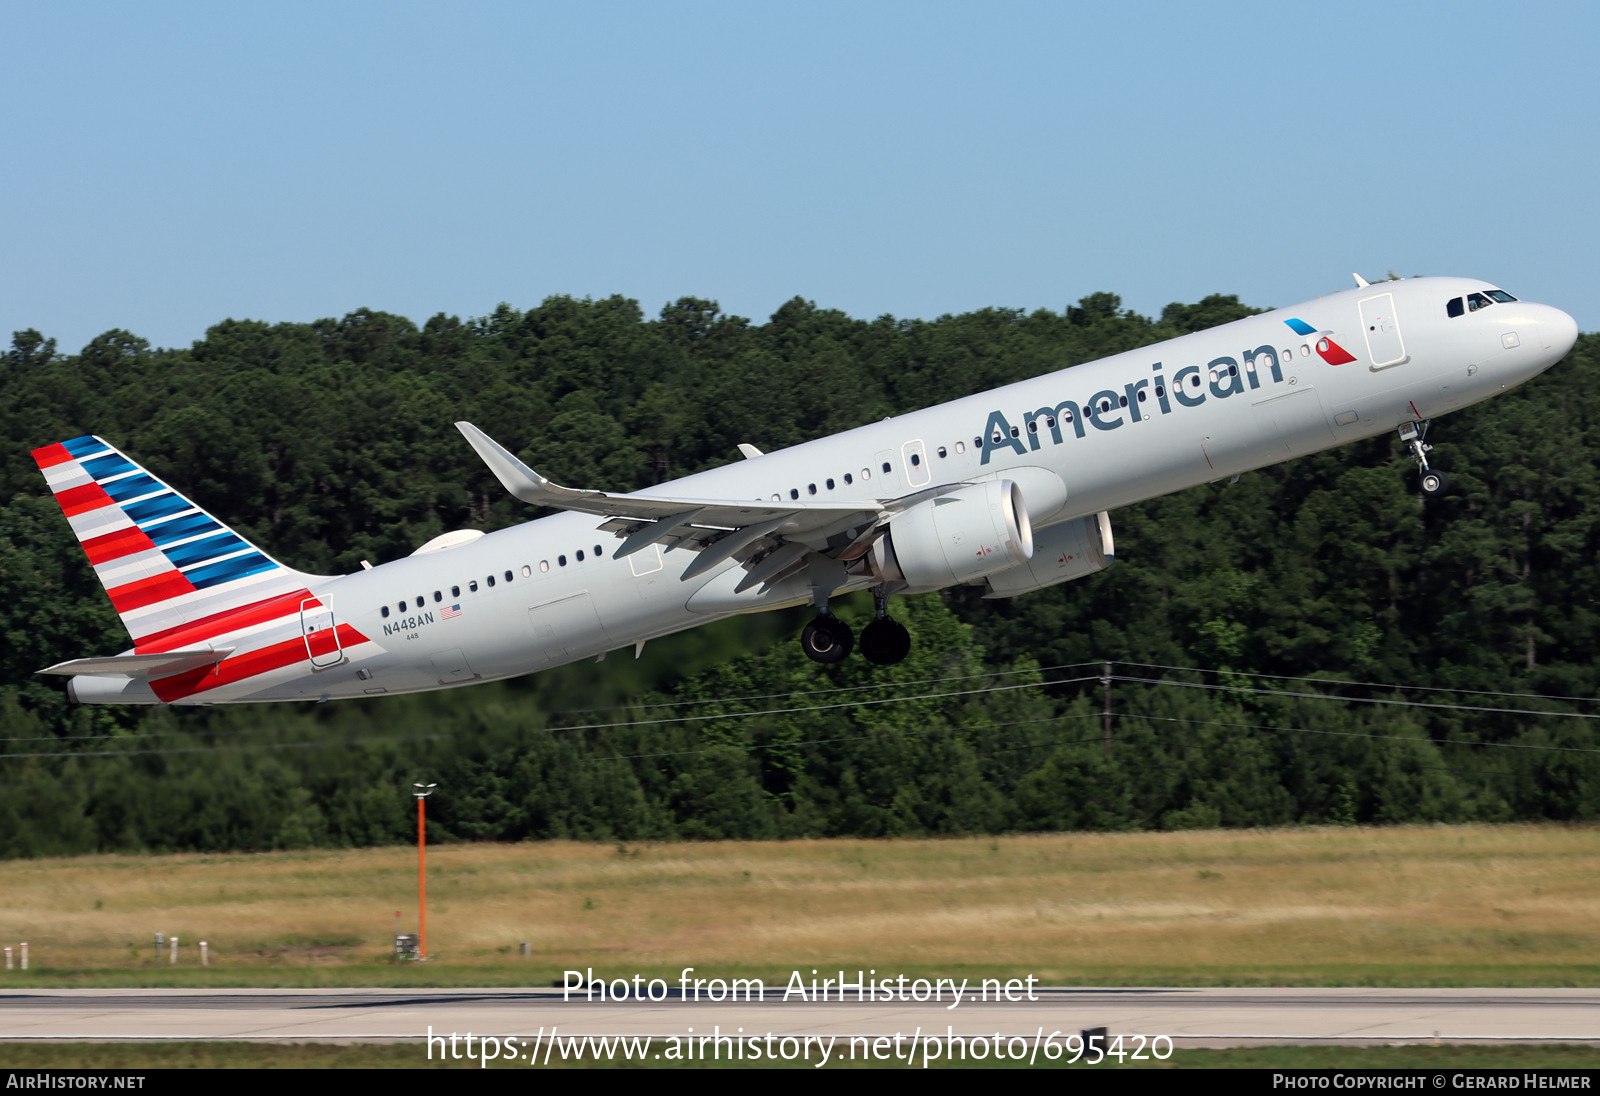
167,565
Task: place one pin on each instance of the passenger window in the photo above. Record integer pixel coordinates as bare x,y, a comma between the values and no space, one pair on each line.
916,458
794,492
1141,395
455,591
1305,350
774,498
472,587
1161,390
961,447
866,473
597,552
420,601
402,608
848,479
384,611
527,572
886,467
1033,426
811,488
1476,301
1122,401
830,485
561,561
544,567
1455,308
437,596
942,453
490,580
1287,354
580,555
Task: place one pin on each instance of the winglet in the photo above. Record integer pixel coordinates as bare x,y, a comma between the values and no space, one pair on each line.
1361,283
750,452
518,478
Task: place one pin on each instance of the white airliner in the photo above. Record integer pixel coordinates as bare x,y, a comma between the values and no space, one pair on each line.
1007,489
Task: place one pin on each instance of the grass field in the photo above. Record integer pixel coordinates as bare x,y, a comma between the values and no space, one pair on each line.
1478,905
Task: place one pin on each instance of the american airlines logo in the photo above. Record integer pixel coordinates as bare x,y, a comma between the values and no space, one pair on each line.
1110,409
1328,350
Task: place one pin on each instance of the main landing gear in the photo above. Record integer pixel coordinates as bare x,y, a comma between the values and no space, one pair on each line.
884,641
827,639
1432,481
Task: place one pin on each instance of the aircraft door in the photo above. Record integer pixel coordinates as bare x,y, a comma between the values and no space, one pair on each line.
1382,329
566,625
321,634
452,667
915,458
1293,425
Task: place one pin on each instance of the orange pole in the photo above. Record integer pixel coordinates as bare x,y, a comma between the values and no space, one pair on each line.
422,876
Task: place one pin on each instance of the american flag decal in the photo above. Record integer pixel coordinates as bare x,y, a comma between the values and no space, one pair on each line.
449,612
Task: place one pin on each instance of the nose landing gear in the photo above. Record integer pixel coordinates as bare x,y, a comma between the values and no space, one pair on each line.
1432,481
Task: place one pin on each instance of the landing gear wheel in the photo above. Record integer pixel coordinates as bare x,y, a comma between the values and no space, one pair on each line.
1434,483
885,642
827,639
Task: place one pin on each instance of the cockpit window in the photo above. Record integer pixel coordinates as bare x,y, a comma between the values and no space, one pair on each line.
1476,301
1455,308
1501,295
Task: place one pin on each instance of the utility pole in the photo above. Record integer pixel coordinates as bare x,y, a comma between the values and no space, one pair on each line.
1105,680
422,791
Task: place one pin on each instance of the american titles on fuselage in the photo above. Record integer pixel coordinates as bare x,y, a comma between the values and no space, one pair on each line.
1224,377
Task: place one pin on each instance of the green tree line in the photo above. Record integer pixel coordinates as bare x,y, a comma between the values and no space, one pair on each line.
331,442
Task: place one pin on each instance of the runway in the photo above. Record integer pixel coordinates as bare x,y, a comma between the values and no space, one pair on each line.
1207,1017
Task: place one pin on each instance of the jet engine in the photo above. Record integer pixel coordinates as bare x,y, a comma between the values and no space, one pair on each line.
1061,553
971,532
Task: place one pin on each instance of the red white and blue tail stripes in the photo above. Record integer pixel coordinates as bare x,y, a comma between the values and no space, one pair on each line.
164,561
180,579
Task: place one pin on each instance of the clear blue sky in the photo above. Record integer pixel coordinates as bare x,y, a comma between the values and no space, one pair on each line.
168,165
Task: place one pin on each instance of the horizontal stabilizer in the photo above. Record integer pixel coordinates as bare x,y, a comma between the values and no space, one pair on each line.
161,664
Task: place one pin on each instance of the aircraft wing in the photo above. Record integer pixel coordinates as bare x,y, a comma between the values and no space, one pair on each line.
753,532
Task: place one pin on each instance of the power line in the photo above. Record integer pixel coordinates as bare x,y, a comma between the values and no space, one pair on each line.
1364,684
848,738
1350,699
1358,734
825,692
817,707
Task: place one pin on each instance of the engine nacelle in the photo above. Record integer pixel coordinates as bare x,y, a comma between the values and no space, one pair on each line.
973,531
1061,553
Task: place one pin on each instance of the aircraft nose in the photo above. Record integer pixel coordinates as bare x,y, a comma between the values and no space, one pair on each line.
1560,330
